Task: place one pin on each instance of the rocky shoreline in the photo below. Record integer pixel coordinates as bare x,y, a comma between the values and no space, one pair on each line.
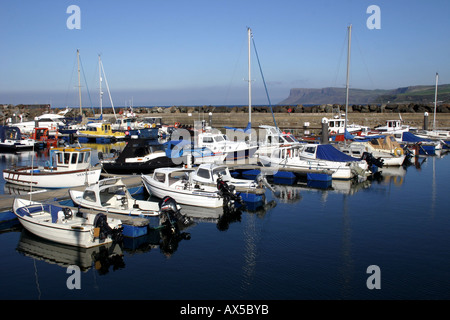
291,117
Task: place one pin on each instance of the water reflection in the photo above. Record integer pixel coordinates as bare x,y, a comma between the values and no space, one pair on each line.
102,258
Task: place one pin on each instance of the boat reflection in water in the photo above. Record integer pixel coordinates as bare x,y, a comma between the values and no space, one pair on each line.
102,258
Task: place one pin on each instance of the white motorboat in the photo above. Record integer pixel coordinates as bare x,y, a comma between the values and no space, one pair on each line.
11,140
112,196
219,143
317,158
61,225
178,184
271,137
68,167
384,147
207,174
49,120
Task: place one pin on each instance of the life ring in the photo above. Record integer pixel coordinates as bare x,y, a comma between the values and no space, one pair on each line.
398,151
154,125
177,124
333,132
146,126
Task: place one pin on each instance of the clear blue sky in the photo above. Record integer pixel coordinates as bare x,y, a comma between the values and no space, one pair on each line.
162,52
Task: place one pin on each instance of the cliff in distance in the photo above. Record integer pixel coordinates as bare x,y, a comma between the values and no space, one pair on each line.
411,94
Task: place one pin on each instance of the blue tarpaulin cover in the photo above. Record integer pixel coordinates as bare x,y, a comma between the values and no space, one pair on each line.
330,153
410,137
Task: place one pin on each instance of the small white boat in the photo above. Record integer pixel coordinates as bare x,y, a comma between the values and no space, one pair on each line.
271,137
384,147
177,183
61,225
68,167
112,196
317,158
207,174
11,140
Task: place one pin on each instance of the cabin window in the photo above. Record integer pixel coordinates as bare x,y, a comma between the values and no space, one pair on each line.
310,149
74,158
87,157
160,177
203,173
59,157
66,158
89,196
331,124
81,157
208,140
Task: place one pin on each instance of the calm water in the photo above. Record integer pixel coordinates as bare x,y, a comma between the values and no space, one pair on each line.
314,244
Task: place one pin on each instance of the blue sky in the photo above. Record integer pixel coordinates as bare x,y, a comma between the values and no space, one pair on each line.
194,52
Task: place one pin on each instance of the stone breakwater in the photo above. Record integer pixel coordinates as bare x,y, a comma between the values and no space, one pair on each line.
287,117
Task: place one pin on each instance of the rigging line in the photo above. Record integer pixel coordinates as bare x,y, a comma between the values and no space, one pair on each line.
87,88
364,61
70,80
264,82
339,61
234,71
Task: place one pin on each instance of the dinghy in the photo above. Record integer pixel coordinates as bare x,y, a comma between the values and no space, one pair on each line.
60,224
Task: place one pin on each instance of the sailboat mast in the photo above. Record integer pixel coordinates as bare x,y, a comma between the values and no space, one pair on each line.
100,81
435,101
79,80
348,72
249,32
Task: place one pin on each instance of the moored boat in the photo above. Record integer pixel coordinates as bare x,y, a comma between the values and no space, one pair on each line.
60,224
67,167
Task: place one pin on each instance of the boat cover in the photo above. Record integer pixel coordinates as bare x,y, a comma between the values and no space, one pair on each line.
410,137
246,130
330,153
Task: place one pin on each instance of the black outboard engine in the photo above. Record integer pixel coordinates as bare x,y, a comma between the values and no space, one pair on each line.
101,222
171,215
371,160
228,192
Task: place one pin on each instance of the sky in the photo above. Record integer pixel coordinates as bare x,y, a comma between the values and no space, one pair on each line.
177,52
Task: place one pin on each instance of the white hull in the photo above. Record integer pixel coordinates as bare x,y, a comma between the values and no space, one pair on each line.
193,196
46,178
139,208
74,232
338,170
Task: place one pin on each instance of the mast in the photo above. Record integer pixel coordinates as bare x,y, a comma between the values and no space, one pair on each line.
435,102
100,81
79,80
348,72
249,32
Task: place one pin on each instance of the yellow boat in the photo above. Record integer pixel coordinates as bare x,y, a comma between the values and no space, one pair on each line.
99,132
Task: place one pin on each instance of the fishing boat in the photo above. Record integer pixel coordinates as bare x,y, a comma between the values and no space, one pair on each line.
67,167
317,158
60,224
138,156
11,140
99,132
178,184
112,196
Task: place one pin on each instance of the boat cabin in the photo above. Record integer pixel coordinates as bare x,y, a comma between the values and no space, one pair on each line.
270,135
68,159
108,193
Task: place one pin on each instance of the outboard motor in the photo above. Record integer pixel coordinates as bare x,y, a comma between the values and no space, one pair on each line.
100,221
228,192
171,215
372,161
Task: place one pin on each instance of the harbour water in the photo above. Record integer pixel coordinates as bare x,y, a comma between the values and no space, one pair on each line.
314,244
